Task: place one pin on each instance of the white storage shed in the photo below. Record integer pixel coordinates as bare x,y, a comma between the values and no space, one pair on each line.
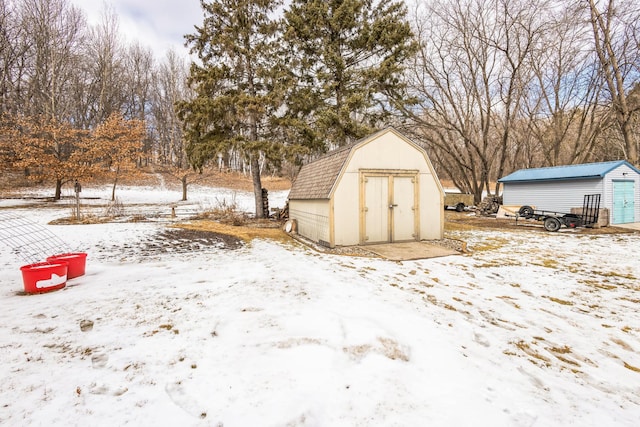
380,189
561,188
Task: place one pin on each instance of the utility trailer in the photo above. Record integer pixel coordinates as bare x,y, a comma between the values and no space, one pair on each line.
553,221
458,201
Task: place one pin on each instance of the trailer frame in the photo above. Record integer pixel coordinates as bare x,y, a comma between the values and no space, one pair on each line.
553,221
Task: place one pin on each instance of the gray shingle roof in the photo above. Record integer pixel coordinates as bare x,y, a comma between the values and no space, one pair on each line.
315,180
583,171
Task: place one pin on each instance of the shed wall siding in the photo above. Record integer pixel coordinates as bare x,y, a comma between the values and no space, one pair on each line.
312,217
557,196
387,152
346,210
431,207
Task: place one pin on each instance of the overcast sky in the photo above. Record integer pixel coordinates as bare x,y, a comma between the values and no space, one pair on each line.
158,24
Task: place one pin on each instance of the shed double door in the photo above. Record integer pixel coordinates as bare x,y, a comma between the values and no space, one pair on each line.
623,202
389,208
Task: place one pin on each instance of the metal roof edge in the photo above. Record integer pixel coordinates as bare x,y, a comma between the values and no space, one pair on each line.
572,178
614,164
635,169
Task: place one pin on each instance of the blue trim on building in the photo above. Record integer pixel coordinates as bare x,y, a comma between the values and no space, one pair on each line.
558,173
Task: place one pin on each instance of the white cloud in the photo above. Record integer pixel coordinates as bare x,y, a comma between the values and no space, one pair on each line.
158,24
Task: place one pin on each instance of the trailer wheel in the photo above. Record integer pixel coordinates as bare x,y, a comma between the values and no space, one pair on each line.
552,224
460,207
526,211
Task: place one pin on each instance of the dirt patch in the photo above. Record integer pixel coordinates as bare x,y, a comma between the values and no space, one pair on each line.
172,241
188,240
251,229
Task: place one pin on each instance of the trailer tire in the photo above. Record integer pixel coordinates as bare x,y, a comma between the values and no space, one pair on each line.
460,207
526,211
552,224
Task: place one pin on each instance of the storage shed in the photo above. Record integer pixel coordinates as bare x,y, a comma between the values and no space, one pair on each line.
563,187
380,189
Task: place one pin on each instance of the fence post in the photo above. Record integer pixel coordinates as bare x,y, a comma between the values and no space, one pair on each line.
77,188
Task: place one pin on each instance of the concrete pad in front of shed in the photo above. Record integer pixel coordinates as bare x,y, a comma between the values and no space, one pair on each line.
629,226
409,251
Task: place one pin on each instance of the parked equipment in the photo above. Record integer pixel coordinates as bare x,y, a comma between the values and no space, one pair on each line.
553,221
458,201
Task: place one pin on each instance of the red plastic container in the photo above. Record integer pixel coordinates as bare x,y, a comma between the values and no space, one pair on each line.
77,262
44,276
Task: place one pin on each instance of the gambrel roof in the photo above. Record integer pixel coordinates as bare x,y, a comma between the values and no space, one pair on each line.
317,178
558,173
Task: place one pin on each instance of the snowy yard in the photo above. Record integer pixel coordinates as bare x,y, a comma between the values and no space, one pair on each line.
530,329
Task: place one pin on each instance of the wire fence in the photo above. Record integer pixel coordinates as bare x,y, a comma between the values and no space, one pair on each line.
28,240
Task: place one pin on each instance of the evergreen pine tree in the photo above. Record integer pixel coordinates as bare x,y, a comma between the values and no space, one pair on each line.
234,99
346,58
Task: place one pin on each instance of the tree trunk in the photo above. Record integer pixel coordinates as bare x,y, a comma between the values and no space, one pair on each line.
58,189
184,187
115,182
257,184
631,145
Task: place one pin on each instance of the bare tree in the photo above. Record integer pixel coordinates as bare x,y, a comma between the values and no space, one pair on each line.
105,53
615,43
12,51
137,82
169,87
138,63
562,108
521,29
471,78
55,38
53,68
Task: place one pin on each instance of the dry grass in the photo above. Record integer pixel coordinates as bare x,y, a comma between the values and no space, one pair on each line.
631,367
558,300
535,356
560,350
255,230
491,245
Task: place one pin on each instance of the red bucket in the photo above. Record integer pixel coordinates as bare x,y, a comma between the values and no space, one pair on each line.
76,260
44,276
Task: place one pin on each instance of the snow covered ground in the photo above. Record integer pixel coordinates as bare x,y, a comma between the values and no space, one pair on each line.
530,329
